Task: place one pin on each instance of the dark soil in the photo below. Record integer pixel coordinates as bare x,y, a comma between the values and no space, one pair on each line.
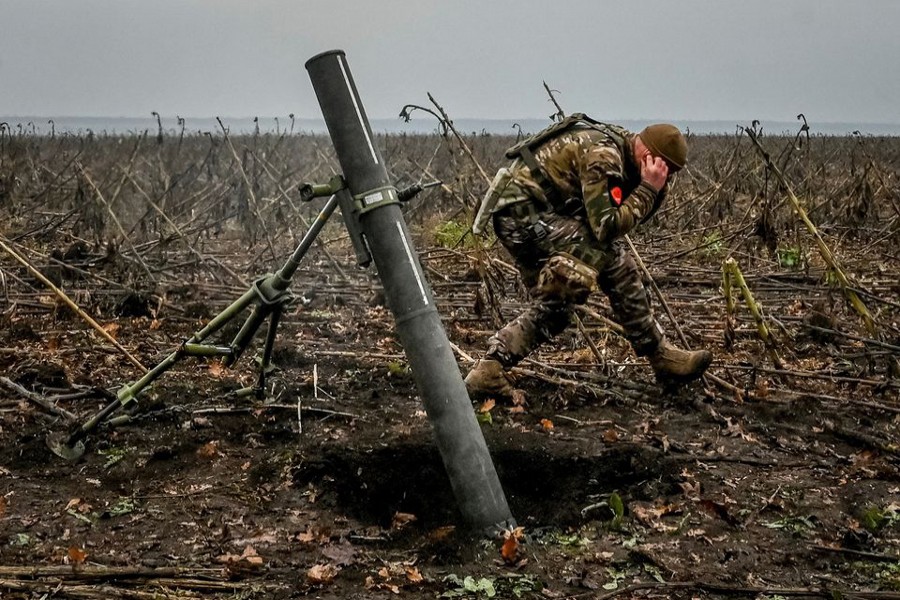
786,484
751,495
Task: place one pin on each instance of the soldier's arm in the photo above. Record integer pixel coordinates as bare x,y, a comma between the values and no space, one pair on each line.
610,213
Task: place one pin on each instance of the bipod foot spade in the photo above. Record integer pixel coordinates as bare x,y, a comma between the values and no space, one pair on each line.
62,445
70,446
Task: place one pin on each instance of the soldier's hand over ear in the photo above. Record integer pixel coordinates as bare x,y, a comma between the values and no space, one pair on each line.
654,171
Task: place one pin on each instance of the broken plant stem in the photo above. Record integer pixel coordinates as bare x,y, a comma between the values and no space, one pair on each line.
318,241
254,203
659,295
62,296
854,299
612,325
590,342
38,400
737,590
731,271
662,300
482,261
115,219
462,353
181,234
560,115
459,139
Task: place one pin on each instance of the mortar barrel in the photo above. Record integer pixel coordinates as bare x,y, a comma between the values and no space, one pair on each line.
458,436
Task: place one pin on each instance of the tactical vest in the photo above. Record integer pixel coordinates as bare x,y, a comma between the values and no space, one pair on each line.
525,150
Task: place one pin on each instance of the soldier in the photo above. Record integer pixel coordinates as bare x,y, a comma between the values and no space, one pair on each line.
561,209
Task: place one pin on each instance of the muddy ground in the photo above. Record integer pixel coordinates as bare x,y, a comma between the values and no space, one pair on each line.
235,498
780,480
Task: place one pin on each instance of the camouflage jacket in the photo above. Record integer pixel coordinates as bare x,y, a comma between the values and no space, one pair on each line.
587,165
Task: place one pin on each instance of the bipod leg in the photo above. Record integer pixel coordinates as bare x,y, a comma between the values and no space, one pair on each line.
270,295
267,351
266,367
249,328
71,446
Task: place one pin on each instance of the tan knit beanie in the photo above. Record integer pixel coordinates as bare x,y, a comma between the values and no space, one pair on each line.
665,140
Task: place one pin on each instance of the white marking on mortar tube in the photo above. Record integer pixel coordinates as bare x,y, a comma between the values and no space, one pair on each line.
356,106
412,263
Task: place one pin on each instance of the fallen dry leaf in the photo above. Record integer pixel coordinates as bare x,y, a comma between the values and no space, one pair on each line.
720,510
489,404
311,536
583,356
402,519
2,505
78,505
865,457
322,574
610,436
216,368
691,489
228,558
76,555
394,575
650,516
248,560
413,575
249,554
510,549
441,533
208,450
341,555
518,397
112,329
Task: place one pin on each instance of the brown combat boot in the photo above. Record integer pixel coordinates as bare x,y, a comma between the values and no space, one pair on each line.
674,364
489,378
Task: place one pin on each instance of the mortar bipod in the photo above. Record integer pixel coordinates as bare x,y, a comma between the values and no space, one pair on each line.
269,296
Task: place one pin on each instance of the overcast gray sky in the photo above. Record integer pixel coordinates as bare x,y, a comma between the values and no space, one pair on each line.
834,60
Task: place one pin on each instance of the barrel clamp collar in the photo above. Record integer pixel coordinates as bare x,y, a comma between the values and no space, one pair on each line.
376,198
364,202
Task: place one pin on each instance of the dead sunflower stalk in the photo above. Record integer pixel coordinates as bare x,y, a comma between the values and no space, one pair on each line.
731,273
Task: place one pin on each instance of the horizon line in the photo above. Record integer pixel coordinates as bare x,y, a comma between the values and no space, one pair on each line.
465,118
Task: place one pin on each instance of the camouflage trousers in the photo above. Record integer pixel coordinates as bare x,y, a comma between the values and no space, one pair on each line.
550,313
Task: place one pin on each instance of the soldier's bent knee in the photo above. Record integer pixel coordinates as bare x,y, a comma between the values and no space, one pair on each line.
566,278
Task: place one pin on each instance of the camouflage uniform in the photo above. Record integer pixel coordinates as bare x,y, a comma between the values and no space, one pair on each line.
607,199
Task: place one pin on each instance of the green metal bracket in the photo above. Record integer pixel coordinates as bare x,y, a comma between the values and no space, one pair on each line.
376,198
308,191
